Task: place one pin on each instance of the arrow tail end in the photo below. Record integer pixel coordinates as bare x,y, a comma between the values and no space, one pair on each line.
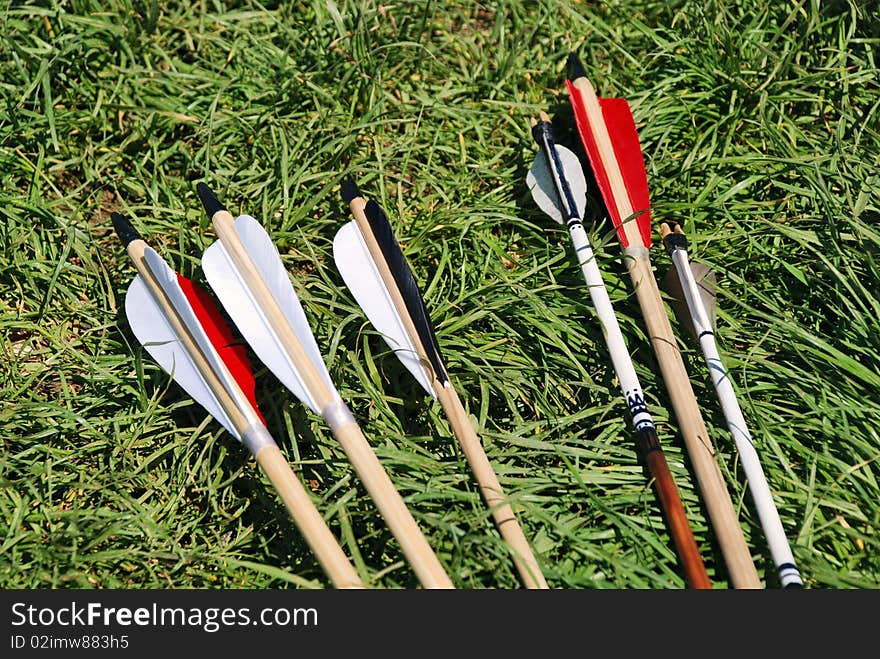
628,151
349,190
210,202
575,68
126,232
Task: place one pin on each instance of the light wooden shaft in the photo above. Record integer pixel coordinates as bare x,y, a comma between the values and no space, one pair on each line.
700,449
392,507
292,492
502,513
699,446
415,547
309,521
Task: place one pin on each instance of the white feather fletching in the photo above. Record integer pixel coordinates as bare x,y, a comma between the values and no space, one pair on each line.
254,325
167,279
355,264
147,321
540,180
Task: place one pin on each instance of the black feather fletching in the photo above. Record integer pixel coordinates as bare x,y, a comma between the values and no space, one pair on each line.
406,284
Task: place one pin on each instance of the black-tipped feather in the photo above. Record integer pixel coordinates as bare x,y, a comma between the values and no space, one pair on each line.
406,284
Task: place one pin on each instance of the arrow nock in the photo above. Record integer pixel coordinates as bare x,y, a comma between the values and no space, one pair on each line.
673,236
210,202
126,232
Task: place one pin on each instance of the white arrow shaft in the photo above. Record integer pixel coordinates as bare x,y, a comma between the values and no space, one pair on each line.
620,358
736,422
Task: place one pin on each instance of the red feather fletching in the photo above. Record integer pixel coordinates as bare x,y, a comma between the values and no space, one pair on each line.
233,354
625,141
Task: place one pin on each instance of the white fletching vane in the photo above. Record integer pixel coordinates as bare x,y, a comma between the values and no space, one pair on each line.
355,264
148,323
167,279
540,180
249,317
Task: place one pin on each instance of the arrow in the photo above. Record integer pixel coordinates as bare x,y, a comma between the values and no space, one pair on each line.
181,328
608,133
558,187
676,244
245,270
377,273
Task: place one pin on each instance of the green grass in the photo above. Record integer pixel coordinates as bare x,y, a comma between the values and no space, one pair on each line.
759,126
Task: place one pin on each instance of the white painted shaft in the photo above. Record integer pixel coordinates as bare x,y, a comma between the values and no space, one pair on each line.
757,481
620,358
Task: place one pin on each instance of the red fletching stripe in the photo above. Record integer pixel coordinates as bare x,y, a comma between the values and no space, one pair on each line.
233,354
625,142
589,142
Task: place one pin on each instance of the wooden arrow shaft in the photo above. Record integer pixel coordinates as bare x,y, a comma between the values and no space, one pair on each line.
676,517
302,509
360,454
308,519
392,507
490,487
510,529
693,430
